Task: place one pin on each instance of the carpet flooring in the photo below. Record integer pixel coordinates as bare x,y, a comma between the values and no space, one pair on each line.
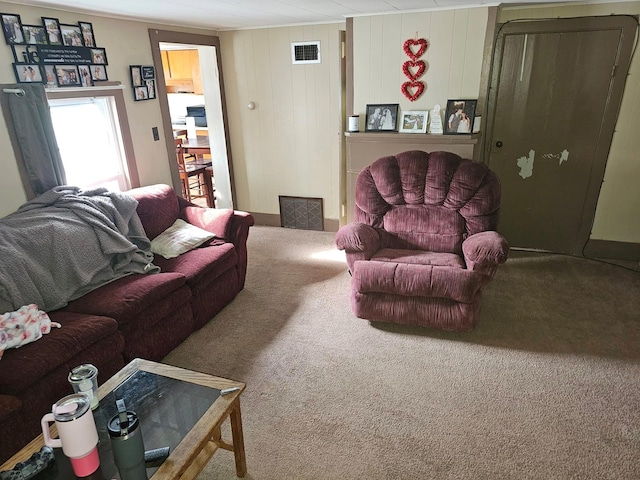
546,387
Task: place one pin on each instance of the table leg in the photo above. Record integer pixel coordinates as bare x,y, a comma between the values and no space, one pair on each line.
208,188
238,439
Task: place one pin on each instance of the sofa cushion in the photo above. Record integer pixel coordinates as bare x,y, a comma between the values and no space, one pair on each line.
126,297
202,265
179,238
22,366
158,208
419,257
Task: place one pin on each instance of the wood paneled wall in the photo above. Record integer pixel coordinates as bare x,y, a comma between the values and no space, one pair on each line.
289,144
454,57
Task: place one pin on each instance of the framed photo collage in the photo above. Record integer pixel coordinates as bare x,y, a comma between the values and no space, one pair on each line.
54,53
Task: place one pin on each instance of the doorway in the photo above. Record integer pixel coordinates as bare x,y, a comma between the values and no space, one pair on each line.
555,97
210,66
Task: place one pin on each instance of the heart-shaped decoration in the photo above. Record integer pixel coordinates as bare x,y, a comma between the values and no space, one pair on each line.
421,45
419,65
408,86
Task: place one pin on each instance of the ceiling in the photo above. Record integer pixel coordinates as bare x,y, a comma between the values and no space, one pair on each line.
238,14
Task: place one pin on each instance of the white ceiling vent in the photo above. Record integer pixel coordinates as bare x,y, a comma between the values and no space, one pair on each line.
305,52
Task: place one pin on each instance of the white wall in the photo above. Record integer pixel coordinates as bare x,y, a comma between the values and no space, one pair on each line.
454,57
126,43
618,210
289,144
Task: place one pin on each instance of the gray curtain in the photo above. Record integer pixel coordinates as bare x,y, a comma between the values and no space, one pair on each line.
35,136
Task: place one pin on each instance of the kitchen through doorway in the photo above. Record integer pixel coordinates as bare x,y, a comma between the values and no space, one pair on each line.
191,95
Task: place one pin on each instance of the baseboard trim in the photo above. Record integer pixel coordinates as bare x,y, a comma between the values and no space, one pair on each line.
612,250
273,220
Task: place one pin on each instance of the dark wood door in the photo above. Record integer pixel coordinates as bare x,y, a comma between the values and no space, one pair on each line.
556,90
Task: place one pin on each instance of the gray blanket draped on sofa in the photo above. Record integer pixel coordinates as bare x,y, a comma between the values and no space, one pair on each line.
67,242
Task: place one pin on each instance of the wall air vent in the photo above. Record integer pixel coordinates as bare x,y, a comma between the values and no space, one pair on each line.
305,52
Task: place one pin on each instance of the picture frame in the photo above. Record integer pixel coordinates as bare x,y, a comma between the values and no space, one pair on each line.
67,75
148,72
99,56
140,93
98,73
459,116
27,72
414,121
50,77
52,27
12,28
381,117
34,35
86,78
151,89
135,72
88,38
71,35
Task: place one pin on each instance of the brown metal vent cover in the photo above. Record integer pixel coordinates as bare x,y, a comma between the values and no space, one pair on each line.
301,212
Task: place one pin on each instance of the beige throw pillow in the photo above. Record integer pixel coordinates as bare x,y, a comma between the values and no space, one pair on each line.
179,238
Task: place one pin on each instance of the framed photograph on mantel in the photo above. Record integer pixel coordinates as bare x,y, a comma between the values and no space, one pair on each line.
459,116
382,117
414,121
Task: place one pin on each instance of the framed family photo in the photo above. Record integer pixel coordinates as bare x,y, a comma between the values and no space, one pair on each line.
88,38
459,117
52,27
414,121
98,73
71,35
382,117
12,28
34,35
68,75
27,72
136,75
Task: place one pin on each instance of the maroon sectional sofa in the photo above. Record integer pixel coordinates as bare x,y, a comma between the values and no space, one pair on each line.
139,315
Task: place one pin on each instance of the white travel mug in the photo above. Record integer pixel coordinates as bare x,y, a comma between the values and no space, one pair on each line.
78,436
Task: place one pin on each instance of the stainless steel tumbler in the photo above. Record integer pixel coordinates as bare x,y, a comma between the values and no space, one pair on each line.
127,444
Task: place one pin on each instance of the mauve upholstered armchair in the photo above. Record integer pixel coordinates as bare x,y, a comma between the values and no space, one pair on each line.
423,245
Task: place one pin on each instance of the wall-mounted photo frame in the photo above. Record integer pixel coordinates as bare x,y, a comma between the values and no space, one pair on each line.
98,73
12,28
52,27
99,56
414,121
151,89
85,75
71,35
88,38
68,75
148,72
27,72
50,77
140,93
459,117
34,35
136,75
382,117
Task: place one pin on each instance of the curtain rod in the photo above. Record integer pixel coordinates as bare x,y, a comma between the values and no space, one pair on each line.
18,91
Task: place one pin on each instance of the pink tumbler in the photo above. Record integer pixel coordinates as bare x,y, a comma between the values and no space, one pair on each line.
77,432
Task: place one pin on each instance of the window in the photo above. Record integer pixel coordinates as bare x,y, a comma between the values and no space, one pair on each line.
91,138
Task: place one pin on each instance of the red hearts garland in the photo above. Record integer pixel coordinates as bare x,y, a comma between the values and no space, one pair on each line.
419,65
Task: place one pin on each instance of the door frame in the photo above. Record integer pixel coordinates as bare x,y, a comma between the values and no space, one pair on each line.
166,36
627,26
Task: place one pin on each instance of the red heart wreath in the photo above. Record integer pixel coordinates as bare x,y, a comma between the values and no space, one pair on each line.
422,47
419,64
412,97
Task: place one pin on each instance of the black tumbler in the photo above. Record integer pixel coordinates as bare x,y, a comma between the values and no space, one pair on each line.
127,444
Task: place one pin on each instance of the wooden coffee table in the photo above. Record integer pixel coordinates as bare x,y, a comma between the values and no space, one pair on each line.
178,408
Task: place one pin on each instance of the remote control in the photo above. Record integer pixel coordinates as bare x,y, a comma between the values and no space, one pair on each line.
38,462
155,457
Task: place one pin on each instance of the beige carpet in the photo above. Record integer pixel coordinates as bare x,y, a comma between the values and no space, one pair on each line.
546,387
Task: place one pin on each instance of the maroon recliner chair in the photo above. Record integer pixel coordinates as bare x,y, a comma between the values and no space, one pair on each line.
423,245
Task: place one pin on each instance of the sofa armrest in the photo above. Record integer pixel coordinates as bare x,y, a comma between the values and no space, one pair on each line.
229,225
359,241
484,251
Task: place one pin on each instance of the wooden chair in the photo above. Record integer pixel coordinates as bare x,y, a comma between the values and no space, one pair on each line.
188,170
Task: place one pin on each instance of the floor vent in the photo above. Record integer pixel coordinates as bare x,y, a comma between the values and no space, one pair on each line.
301,212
